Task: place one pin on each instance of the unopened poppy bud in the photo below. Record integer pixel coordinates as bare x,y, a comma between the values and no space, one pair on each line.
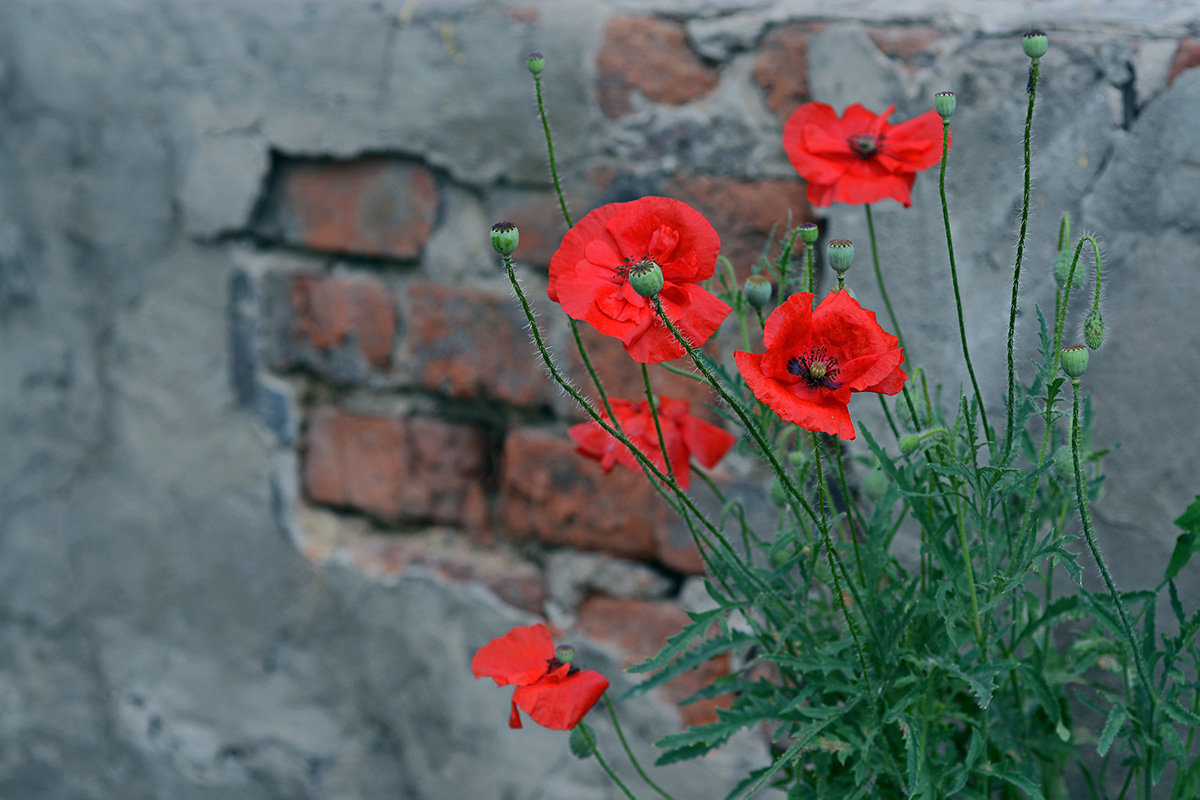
505,237
564,653
1093,330
536,63
778,494
1074,360
779,558
1062,268
646,278
1063,468
1035,44
875,485
945,103
757,290
841,255
909,443
809,233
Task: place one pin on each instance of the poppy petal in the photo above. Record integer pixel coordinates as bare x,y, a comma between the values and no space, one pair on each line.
518,657
559,705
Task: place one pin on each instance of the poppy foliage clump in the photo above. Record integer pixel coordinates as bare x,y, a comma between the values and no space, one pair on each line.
553,692
860,157
685,436
816,358
589,275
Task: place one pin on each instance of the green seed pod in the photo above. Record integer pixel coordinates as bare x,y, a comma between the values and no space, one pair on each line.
909,443
757,290
1035,44
1093,330
876,484
1074,360
945,103
565,653
536,63
841,255
646,278
505,237
809,233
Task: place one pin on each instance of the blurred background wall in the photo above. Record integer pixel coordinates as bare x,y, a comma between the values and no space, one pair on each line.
277,456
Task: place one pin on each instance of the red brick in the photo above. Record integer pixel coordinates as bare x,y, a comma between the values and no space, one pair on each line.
551,494
912,44
744,211
369,206
331,311
652,56
1186,57
399,470
782,67
472,343
640,628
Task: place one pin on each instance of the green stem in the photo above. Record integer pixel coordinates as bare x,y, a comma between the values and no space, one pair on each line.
562,203
810,270
1012,309
689,375
1089,534
587,734
966,551
879,279
962,330
662,442
632,758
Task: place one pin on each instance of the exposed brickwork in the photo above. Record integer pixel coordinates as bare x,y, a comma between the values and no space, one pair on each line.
912,44
371,206
746,210
640,628
676,550
782,67
651,56
539,218
399,470
1186,57
332,313
472,343
550,494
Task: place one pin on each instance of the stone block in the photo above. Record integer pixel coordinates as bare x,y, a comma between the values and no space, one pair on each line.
781,70
1186,57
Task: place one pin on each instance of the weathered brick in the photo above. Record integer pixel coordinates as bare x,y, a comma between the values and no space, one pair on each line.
1187,56
781,69
639,629
368,206
549,493
912,44
472,343
332,314
399,470
651,56
744,211
676,549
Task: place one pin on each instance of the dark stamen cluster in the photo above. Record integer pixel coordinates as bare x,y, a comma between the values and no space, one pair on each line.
553,663
818,369
865,145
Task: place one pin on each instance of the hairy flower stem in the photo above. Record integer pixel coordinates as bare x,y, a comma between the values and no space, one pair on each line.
1012,309
587,734
662,442
962,330
879,279
629,752
966,553
1081,500
810,271
562,202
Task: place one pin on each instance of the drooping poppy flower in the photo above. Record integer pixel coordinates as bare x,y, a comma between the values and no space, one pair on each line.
816,359
552,691
589,275
861,157
685,436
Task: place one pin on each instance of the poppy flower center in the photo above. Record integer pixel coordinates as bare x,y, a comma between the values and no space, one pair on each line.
817,368
865,145
553,663
640,267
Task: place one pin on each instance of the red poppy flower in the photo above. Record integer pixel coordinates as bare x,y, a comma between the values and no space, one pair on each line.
816,359
861,157
555,694
684,434
589,275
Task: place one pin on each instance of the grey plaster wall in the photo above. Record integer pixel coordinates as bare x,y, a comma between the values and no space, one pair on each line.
160,634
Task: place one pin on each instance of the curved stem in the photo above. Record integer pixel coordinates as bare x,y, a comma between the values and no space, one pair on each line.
962,330
662,442
562,203
1012,309
587,734
879,279
632,758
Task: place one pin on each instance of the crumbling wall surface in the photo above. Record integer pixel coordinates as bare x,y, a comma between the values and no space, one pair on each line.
276,454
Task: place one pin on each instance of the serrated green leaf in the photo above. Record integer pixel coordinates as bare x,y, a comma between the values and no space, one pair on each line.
1181,714
1031,789
1188,544
1112,726
691,659
577,741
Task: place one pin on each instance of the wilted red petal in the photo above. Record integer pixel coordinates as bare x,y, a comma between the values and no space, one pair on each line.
518,657
560,705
